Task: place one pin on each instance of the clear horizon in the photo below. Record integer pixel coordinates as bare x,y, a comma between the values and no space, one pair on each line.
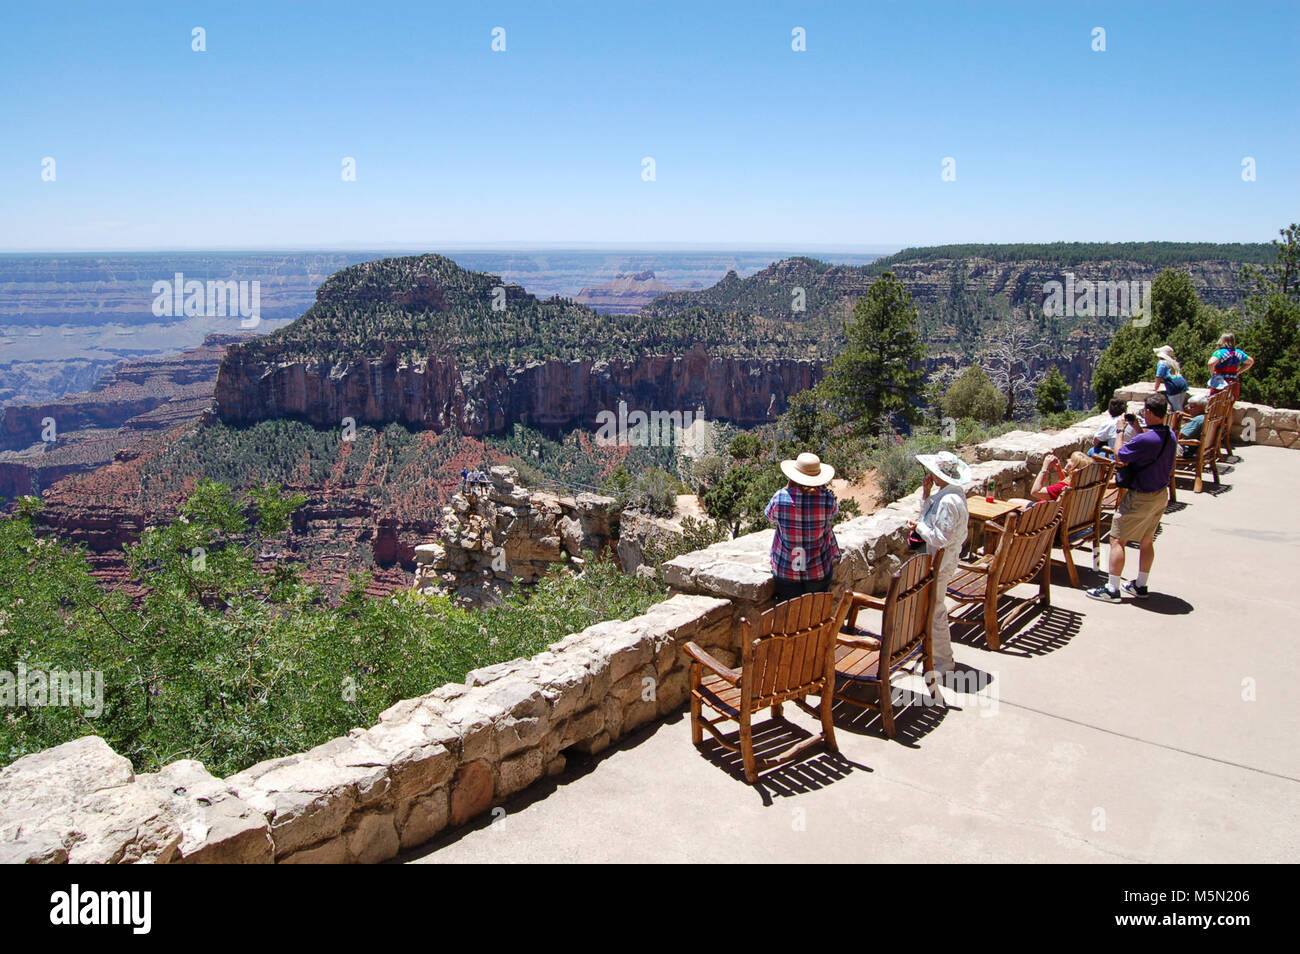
121,137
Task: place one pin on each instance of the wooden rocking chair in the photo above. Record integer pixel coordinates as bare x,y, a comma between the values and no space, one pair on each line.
1023,554
1218,421
1081,507
872,660
789,655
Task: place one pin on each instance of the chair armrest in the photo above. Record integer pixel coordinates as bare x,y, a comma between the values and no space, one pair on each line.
980,567
864,599
993,525
703,658
859,600
857,640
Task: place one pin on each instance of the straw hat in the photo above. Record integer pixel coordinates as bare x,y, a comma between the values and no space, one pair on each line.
808,470
1166,352
948,467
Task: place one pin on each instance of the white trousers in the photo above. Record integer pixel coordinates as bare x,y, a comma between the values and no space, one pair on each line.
940,634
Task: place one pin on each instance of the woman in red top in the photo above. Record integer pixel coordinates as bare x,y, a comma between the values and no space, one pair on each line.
1052,467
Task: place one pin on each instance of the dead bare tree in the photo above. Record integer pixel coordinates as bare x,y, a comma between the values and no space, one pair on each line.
1008,360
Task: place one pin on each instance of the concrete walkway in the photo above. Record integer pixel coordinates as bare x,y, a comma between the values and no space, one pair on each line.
1156,731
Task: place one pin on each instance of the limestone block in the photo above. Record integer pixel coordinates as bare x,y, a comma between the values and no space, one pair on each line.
373,838
80,802
217,827
582,727
331,852
471,791
519,772
424,818
308,797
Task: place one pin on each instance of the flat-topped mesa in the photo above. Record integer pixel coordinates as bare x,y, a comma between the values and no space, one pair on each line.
496,533
422,342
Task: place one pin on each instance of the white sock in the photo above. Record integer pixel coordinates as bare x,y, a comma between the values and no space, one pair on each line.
1113,581
1142,578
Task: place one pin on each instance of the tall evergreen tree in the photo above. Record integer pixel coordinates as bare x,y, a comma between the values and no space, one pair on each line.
880,372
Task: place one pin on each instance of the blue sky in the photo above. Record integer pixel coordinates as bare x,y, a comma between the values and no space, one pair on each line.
755,145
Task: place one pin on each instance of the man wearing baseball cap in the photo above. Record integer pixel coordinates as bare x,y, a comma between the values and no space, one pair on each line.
804,549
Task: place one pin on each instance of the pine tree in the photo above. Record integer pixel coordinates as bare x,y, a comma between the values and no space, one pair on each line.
880,373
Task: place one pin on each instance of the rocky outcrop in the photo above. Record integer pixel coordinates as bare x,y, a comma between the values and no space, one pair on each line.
552,395
496,533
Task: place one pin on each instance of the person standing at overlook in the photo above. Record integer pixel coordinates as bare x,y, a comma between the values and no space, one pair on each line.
804,548
1169,375
1147,462
1226,365
942,525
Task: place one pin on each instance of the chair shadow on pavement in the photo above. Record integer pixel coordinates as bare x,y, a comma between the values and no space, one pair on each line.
772,736
916,715
1036,632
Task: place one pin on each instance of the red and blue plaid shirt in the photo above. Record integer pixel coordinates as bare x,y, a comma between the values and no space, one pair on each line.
804,547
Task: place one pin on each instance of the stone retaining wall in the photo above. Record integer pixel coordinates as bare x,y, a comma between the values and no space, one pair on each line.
431,762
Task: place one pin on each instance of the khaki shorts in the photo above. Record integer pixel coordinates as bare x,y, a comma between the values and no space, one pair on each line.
1138,515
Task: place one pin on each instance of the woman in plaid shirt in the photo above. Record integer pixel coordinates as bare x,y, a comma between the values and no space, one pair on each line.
804,549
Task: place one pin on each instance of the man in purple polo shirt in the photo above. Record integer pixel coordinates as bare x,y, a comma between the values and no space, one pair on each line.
1149,460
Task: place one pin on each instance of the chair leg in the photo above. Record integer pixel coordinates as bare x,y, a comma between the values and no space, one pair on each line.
885,693
991,623
778,711
1069,563
747,749
828,719
1045,583
697,731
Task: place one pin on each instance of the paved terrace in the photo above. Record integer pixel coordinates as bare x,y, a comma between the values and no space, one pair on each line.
1156,731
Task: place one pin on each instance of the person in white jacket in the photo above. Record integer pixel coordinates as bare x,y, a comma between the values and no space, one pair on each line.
942,524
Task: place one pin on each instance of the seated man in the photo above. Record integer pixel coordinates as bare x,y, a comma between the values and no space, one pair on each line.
1103,442
1192,427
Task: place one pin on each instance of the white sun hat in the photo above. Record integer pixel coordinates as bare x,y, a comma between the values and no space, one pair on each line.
808,470
948,467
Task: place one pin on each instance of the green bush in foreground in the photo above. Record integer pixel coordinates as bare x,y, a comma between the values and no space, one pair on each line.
225,662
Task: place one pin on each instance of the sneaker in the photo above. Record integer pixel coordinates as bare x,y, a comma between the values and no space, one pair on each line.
1104,593
1132,589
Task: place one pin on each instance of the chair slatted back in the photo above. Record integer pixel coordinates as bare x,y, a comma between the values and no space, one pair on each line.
787,653
909,605
1025,543
1218,416
1082,500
